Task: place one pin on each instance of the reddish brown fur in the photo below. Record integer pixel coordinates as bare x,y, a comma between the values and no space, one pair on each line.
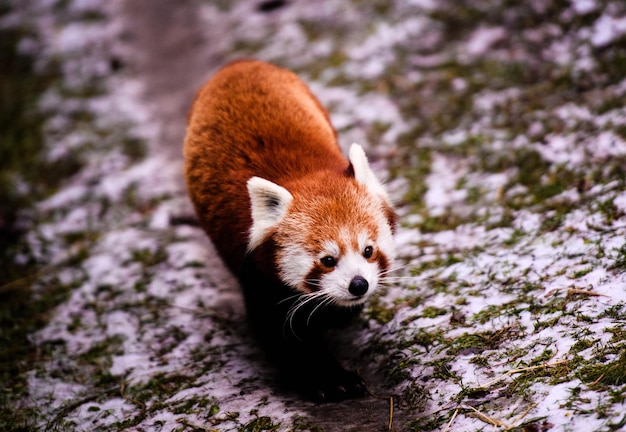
261,114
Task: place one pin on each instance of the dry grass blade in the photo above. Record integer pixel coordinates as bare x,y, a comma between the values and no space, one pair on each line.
390,413
195,426
489,420
449,425
521,370
585,292
597,380
571,291
129,399
485,418
525,413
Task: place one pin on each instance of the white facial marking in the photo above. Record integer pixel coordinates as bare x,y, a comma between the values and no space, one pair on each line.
330,248
364,241
295,263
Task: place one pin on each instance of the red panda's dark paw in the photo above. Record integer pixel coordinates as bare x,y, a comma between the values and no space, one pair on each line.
339,386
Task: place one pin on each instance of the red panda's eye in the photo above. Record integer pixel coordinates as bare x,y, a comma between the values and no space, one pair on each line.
368,252
328,261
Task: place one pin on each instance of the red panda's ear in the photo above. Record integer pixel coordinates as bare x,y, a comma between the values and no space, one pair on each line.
359,167
269,203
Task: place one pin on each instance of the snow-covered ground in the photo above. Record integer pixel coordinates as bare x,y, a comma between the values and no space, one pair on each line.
502,133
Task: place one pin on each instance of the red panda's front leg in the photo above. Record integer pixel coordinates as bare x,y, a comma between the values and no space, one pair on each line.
316,373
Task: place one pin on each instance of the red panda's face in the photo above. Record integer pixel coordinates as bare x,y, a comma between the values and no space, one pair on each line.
336,245
333,232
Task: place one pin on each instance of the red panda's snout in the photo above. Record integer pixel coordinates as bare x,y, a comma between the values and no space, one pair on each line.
358,286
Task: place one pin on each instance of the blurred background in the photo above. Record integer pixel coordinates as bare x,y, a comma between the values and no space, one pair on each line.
498,126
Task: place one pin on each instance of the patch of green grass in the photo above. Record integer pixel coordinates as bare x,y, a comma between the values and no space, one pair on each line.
542,358
379,313
396,368
207,407
430,422
259,423
478,342
479,360
413,164
439,261
610,211
491,311
433,312
581,344
615,311
580,272
620,259
148,257
159,387
444,222
376,131
442,370
304,424
170,339
611,373
134,148
547,323
97,360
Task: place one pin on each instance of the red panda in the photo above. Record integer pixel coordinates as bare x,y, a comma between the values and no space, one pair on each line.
308,233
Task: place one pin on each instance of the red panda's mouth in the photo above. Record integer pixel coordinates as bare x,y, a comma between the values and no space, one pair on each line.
349,304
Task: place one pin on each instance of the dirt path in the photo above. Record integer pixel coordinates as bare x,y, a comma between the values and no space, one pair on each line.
172,56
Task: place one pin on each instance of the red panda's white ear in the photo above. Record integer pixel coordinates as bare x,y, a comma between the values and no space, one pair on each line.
363,173
269,203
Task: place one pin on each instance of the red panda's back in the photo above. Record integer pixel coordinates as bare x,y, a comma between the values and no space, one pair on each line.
251,119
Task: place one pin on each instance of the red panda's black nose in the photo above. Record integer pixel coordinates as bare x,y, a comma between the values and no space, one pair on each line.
358,286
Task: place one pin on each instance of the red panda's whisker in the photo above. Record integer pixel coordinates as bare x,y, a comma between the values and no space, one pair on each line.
394,269
314,282
303,300
297,306
399,278
324,302
299,294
